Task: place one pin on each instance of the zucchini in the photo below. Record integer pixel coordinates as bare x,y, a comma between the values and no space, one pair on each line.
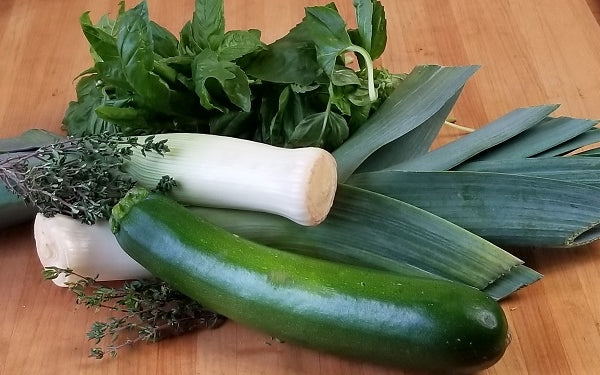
406,321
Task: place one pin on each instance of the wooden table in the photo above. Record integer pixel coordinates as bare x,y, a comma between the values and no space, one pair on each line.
531,52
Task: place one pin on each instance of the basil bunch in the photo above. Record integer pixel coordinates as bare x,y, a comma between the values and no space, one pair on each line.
297,91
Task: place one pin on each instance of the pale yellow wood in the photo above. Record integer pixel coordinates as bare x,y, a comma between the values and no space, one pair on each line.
531,52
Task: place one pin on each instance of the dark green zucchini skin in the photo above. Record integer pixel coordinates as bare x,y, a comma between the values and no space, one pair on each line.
409,322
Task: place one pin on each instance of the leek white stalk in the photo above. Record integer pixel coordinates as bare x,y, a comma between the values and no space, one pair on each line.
89,250
225,172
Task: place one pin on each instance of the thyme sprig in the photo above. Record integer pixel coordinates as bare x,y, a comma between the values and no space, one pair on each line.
150,309
80,177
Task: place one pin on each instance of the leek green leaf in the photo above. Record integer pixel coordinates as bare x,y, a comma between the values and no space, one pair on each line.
14,210
547,134
572,168
28,140
506,209
492,134
504,286
587,138
389,234
413,144
421,95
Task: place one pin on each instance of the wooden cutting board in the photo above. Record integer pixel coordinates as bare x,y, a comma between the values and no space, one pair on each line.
530,52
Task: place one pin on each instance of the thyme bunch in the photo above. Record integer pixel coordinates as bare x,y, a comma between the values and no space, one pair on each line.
80,177
150,309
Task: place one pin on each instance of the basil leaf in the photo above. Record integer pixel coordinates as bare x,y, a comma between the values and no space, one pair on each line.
136,50
111,73
80,118
238,43
208,23
187,44
371,32
291,111
103,44
291,59
207,70
340,101
328,32
118,114
234,124
165,43
343,76
326,129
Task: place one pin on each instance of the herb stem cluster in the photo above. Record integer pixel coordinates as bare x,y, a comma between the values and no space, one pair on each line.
79,177
150,310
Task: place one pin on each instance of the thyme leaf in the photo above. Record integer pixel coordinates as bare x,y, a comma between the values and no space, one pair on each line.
79,177
148,311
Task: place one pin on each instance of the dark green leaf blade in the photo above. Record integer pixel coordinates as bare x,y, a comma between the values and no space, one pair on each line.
231,79
409,240
28,140
492,134
570,168
136,51
543,136
506,209
323,129
588,138
239,43
13,210
420,96
413,144
371,32
208,23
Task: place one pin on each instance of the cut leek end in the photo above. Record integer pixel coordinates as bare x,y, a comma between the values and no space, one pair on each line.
217,171
86,250
50,249
584,236
321,186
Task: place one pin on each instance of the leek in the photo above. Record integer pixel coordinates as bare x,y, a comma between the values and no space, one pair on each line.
218,171
577,169
587,138
506,209
89,250
549,133
464,148
422,94
363,228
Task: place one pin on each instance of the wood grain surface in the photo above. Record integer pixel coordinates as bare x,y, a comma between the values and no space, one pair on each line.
530,52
